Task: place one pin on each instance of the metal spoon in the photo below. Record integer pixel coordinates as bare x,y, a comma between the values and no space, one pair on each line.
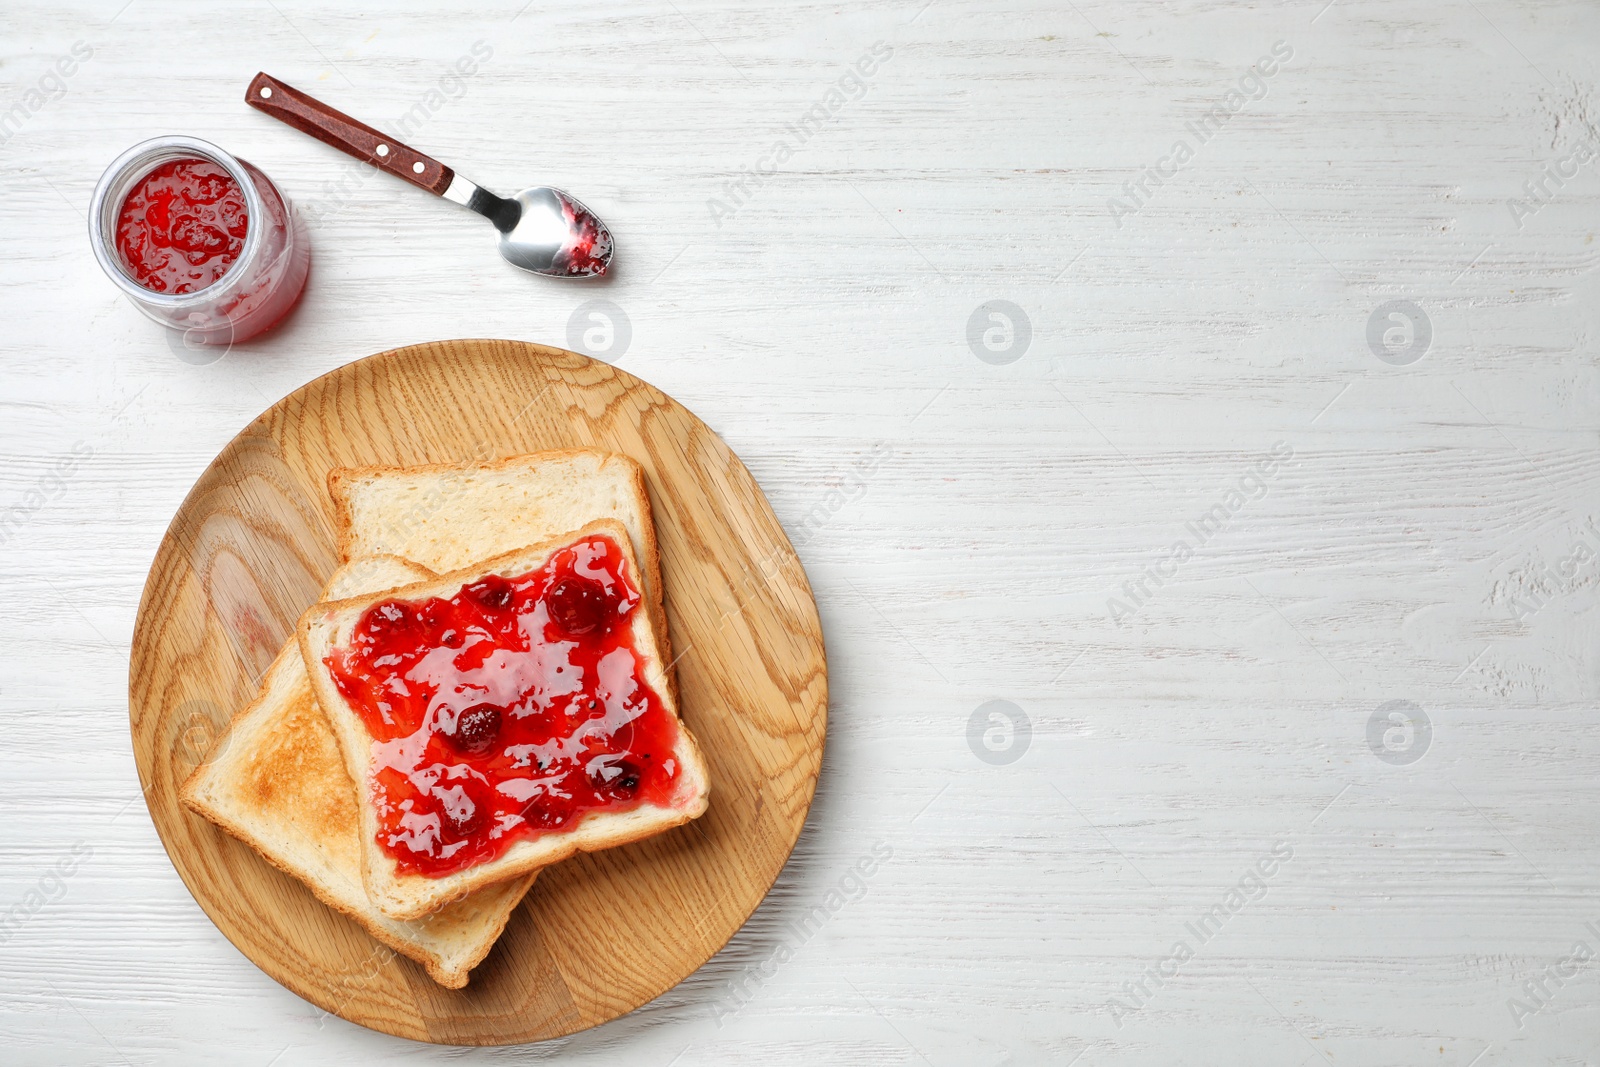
542,229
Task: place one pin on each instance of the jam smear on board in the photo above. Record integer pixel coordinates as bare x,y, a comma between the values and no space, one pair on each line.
506,711
182,226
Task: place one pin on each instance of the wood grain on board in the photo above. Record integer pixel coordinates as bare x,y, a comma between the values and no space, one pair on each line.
600,934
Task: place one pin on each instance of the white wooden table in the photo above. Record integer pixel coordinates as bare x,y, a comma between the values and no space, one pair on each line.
1386,509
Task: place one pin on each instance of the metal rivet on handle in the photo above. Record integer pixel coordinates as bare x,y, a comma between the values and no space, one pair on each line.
266,92
383,150
417,168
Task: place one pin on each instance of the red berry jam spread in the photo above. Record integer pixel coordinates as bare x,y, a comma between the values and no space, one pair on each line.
182,226
507,711
589,254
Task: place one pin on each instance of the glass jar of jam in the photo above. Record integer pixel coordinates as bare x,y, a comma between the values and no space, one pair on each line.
200,241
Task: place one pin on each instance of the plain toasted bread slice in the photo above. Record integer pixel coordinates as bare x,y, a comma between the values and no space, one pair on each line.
279,784
406,895
447,516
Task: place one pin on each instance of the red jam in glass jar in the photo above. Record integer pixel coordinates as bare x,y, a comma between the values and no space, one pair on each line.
198,240
182,226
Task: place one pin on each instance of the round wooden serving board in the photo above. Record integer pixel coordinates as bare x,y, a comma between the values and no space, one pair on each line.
598,935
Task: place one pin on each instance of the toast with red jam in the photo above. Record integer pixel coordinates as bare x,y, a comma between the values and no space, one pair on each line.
503,717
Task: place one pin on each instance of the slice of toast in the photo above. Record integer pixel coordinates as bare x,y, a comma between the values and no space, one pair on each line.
446,516
327,631
278,782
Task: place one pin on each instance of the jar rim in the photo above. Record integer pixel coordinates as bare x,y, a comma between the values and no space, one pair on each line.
133,165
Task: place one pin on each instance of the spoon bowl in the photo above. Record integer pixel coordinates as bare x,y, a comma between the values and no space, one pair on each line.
555,235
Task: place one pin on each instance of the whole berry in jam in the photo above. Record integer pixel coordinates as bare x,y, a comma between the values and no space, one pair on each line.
578,606
476,730
619,778
542,815
492,591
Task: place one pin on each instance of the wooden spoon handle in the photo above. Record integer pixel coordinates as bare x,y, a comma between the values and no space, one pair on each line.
289,105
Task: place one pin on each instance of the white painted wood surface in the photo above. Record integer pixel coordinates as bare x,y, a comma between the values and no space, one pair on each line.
1398,557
